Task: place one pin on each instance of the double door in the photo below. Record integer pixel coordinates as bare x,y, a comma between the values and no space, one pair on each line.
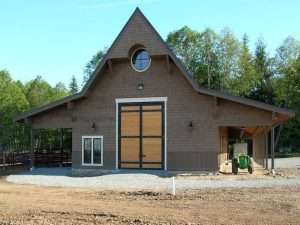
141,135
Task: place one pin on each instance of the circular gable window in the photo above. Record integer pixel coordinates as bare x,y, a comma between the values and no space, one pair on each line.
140,60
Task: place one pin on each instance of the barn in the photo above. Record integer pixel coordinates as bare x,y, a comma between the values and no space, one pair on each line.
142,110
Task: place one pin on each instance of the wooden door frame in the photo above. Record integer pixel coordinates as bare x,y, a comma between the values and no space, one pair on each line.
141,100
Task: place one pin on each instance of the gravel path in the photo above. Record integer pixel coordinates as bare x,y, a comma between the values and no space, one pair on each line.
292,162
59,177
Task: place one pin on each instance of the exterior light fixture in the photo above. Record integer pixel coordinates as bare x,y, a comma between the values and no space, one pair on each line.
140,86
93,126
191,124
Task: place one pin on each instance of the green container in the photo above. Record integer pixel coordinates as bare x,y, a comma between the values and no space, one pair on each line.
243,161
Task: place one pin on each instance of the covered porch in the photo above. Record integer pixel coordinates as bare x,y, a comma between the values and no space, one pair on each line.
50,147
259,141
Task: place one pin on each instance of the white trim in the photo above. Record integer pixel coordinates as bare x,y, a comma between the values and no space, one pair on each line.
92,150
165,135
135,69
137,100
151,99
117,136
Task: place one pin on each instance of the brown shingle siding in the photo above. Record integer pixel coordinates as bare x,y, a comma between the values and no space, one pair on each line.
189,148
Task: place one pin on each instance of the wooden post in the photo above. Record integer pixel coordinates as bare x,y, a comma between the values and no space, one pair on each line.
3,158
272,147
61,146
267,150
31,148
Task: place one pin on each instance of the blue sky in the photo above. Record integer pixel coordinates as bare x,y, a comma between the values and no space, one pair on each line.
56,38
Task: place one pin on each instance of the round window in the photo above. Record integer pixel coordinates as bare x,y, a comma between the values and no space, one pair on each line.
140,60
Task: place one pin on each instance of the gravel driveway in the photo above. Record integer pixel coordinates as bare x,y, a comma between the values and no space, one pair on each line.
59,177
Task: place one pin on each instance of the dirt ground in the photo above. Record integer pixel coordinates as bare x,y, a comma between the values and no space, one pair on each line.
28,204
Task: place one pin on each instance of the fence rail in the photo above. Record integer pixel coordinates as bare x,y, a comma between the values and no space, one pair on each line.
54,158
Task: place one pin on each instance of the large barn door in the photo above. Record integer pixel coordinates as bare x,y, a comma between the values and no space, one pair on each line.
141,139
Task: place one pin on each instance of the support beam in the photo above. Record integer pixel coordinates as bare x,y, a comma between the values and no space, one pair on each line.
256,131
31,148
274,116
70,106
28,120
272,147
216,107
61,146
109,63
217,101
266,150
169,67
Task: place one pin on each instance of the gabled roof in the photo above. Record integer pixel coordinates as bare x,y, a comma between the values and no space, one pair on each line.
164,49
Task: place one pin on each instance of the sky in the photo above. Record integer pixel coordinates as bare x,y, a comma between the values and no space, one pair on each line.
56,38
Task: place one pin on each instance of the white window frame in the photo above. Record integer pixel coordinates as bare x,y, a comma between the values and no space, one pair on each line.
92,151
133,67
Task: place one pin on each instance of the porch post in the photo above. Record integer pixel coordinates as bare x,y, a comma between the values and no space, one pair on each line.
272,147
267,150
31,148
61,146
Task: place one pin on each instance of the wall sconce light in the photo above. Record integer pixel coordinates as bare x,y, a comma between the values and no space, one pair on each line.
191,124
140,86
93,126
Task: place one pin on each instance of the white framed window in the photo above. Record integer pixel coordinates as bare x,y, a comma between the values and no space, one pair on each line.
140,60
92,150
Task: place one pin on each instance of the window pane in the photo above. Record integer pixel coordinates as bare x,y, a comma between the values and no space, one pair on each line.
151,107
97,150
141,60
87,150
130,108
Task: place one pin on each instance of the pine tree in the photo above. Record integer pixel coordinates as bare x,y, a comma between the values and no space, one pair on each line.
246,80
264,71
73,85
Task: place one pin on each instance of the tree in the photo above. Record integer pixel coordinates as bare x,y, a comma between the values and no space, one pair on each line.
73,85
208,69
245,80
38,92
92,64
59,91
12,101
185,44
264,69
287,90
288,52
287,63
198,52
288,95
228,52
